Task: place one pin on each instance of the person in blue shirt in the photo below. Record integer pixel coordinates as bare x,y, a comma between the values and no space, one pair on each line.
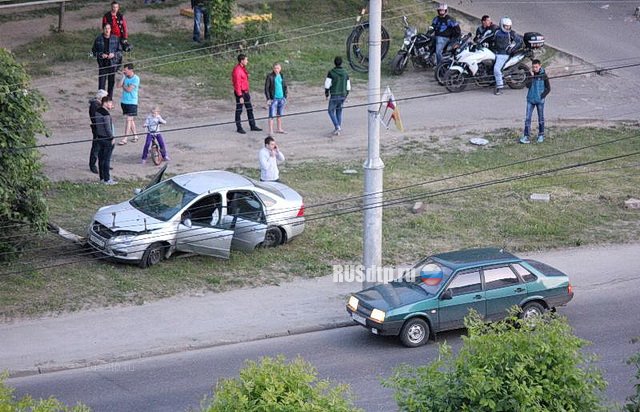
275,90
130,85
445,27
539,88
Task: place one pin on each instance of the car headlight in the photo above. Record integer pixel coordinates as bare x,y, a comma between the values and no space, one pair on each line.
377,315
123,238
353,303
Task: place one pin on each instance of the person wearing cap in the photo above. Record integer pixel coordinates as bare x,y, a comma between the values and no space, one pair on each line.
505,41
94,104
445,27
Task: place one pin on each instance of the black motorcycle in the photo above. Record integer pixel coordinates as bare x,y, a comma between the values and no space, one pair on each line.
420,48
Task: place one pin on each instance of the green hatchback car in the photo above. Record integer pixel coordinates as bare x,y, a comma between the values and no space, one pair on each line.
438,292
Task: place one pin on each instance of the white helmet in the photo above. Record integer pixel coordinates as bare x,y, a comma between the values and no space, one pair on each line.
442,6
505,21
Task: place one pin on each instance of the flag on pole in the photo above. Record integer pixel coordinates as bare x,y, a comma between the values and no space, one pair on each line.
391,111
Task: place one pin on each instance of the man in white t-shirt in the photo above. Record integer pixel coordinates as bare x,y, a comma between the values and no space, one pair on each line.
269,157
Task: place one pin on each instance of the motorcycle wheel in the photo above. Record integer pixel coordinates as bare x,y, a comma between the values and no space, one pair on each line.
455,81
399,63
441,70
516,78
358,47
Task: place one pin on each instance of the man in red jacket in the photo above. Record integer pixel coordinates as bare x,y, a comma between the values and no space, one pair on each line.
240,79
118,25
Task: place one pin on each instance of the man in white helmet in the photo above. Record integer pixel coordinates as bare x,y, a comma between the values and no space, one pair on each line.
446,28
505,41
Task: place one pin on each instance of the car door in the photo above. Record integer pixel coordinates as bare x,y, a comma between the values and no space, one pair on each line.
503,290
199,231
246,216
463,293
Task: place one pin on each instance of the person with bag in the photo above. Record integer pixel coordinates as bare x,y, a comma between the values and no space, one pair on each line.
118,25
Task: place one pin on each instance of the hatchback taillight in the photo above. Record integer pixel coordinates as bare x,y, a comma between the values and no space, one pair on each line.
301,211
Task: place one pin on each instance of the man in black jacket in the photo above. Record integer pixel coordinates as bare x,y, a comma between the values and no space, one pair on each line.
275,90
94,105
104,130
107,50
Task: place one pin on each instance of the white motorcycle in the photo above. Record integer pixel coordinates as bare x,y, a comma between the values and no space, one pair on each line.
477,64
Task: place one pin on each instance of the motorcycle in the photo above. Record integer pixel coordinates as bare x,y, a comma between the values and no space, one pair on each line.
459,48
420,48
477,65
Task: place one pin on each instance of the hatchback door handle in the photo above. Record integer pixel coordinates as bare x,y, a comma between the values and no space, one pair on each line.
519,290
477,297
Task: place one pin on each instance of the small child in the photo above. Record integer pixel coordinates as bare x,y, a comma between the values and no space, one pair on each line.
152,125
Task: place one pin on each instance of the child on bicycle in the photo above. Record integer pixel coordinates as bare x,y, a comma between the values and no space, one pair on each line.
152,125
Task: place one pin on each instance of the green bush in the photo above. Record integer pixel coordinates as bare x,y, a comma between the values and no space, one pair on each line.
532,366
22,184
8,403
633,401
273,385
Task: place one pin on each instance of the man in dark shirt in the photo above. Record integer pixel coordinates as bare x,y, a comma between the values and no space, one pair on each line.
104,130
106,48
94,105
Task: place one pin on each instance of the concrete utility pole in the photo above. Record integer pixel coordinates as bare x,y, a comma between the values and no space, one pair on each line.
373,167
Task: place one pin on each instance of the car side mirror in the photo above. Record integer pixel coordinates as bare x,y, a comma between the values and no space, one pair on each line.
446,295
187,223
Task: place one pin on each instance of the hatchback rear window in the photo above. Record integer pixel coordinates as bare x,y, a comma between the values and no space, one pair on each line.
544,268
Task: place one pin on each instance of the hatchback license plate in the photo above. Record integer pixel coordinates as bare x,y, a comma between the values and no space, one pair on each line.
360,319
95,239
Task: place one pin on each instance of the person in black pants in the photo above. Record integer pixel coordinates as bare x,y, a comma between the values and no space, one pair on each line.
108,52
240,80
94,105
104,130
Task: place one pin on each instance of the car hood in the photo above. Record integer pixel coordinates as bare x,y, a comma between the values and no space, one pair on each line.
123,216
392,295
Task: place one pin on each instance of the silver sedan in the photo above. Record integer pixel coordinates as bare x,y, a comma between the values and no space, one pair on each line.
206,213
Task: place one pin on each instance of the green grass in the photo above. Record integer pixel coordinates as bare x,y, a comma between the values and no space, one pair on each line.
585,208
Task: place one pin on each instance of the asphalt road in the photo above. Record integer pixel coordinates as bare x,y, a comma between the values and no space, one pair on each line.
601,32
603,311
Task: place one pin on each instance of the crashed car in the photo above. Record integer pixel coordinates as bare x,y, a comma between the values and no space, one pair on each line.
206,213
438,292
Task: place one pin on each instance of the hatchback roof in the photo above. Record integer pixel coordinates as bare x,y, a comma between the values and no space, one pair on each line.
211,180
474,257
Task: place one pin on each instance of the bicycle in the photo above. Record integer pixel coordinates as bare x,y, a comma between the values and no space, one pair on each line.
358,43
154,151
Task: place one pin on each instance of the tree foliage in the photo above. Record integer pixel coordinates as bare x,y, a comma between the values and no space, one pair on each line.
8,402
22,183
273,385
221,12
633,401
513,365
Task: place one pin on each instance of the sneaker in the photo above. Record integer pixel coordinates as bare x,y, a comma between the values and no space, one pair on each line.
256,129
94,170
540,138
498,92
167,159
143,161
110,182
336,132
241,131
525,140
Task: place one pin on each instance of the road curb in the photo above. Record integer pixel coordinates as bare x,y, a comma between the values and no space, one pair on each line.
103,363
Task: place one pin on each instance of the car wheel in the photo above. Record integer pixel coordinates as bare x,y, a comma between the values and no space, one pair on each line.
273,237
532,310
415,332
153,255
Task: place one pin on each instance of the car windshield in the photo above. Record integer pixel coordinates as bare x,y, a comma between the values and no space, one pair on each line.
429,275
163,200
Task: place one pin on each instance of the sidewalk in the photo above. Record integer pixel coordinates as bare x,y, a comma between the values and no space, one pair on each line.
95,337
